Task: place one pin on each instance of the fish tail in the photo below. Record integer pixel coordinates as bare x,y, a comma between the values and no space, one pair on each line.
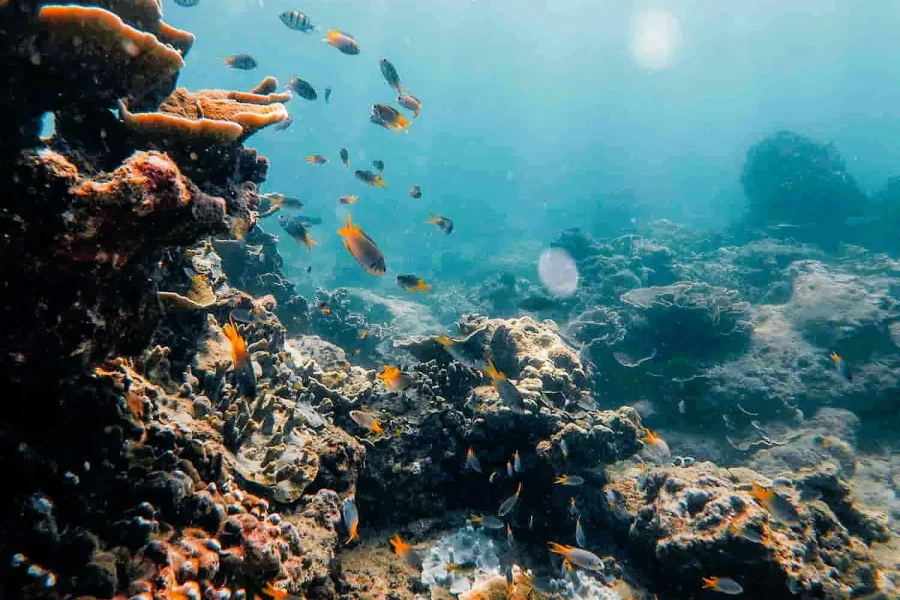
307,239
379,181
561,479
403,123
376,426
491,371
353,536
423,286
559,548
710,582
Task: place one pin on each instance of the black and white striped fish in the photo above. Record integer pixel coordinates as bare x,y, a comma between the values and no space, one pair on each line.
296,20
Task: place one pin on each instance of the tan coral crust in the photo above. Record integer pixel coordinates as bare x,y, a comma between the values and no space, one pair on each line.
103,35
266,86
218,106
175,126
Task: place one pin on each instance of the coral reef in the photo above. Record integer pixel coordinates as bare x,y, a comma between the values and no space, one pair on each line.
789,178
693,522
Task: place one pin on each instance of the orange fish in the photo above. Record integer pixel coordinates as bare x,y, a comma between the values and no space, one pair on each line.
363,334
363,249
239,357
341,40
725,585
364,419
395,379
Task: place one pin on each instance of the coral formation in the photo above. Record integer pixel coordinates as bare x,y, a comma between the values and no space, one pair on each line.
789,178
693,522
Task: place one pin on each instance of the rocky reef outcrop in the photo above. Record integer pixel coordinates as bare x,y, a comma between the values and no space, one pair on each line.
793,180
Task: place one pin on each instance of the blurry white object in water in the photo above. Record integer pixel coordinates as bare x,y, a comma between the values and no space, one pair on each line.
558,272
655,36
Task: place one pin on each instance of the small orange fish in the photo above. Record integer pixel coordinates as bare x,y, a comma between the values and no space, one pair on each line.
326,310
341,40
316,159
395,379
572,480
725,585
364,334
363,249
239,356
351,519
348,199
364,419
777,505
578,556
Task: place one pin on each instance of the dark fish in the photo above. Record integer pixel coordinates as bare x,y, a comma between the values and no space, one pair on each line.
297,230
244,62
282,125
415,192
345,157
443,223
391,75
371,178
309,269
302,88
271,203
251,315
379,165
362,248
410,103
187,3
778,506
297,21
412,284
343,41
389,118
316,159
327,94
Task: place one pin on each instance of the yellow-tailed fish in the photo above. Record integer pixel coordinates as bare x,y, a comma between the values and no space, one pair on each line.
363,249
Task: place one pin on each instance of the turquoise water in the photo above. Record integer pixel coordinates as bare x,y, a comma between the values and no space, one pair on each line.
533,112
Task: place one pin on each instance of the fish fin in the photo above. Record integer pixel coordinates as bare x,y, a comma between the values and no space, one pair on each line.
836,357
710,582
379,181
561,479
348,230
376,426
309,241
403,123
423,286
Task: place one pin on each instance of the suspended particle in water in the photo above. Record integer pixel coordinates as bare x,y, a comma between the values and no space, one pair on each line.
558,272
655,37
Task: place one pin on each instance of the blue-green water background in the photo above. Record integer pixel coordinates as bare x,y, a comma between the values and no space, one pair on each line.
534,110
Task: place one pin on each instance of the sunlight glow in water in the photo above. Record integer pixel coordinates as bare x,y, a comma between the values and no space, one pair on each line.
655,37
558,272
